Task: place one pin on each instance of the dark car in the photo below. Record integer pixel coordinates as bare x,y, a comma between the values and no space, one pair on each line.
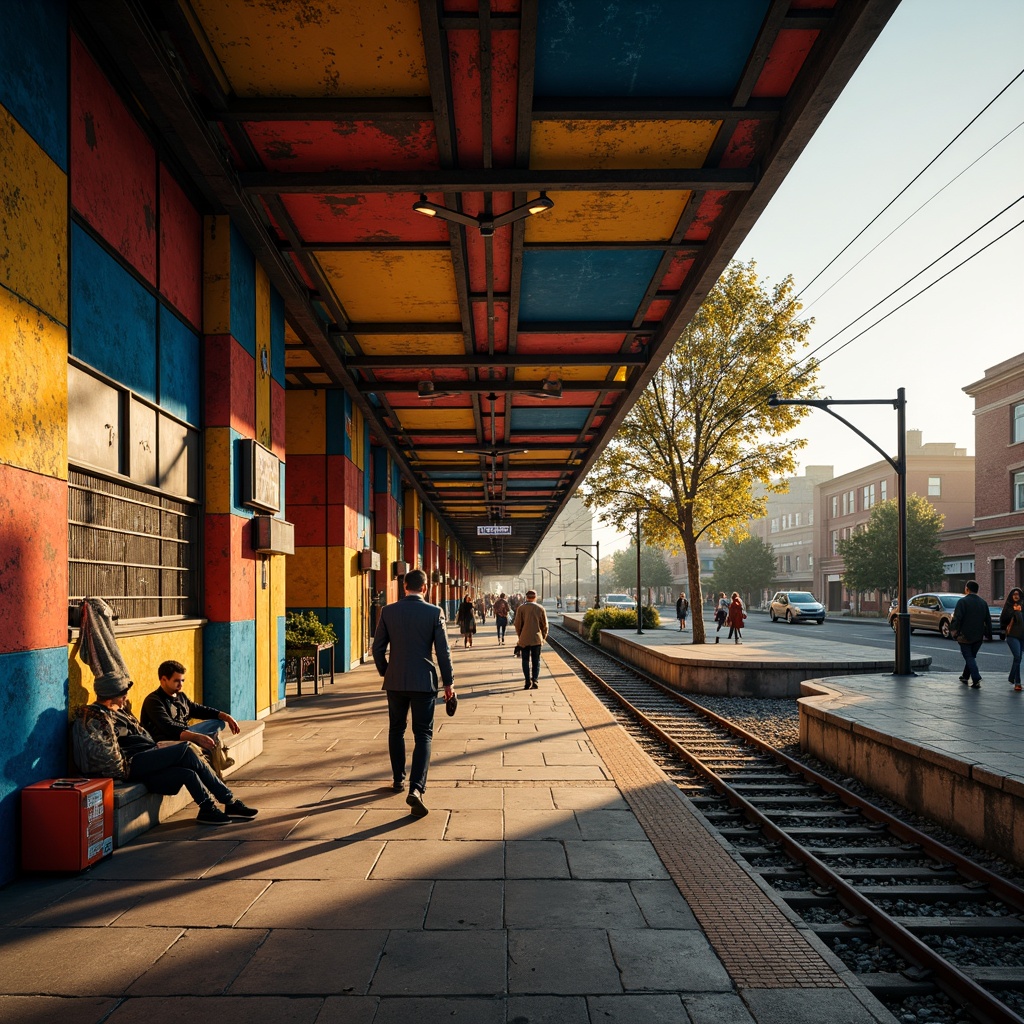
796,606
934,612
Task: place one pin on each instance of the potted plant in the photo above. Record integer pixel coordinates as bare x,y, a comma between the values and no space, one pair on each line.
305,636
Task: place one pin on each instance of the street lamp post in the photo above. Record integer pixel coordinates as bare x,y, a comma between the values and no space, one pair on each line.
559,561
597,568
639,604
551,573
899,464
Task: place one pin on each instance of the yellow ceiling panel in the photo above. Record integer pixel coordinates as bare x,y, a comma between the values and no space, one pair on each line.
296,358
411,344
558,455
470,460
596,373
394,286
581,145
425,420
324,49
608,217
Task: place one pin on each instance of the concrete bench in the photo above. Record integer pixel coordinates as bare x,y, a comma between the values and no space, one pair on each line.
136,809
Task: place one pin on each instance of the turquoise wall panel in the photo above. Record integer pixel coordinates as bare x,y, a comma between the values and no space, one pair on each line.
657,48
229,667
280,657
34,71
381,476
584,284
33,734
277,336
396,486
237,508
179,368
537,418
113,317
243,293
341,620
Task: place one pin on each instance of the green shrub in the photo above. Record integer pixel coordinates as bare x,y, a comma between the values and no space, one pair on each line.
597,619
304,629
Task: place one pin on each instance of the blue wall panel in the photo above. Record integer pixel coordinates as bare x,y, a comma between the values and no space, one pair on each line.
179,368
337,411
229,667
113,318
341,620
243,293
34,71
584,284
237,508
277,336
33,734
381,477
280,657
654,48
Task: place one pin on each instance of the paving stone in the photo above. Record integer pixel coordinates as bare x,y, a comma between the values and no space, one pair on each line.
329,823
157,861
547,1010
325,860
476,824
540,824
203,962
529,798
466,798
586,798
535,859
348,1010
666,960
194,904
805,1006
717,1008
51,1009
218,1010
662,905
391,823
558,757
307,962
351,903
30,895
561,961
667,1009
549,903
540,773
614,860
438,1010
45,961
183,827
609,825
466,904
442,963
427,858
530,756
96,904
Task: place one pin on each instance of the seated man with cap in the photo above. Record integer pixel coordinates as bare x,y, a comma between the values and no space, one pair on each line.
109,742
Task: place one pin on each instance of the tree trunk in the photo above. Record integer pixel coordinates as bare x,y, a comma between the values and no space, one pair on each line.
693,575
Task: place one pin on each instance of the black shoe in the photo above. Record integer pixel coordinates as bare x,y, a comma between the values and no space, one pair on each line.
398,785
451,705
964,679
527,686
976,684
236,809
533,685
415,801
210,815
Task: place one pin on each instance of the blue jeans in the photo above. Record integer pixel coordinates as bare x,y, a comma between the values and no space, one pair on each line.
1015,649
400,703
208,727
501,621
531,655
178,765
969,651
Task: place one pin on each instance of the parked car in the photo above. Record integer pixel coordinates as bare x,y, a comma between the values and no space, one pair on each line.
619,601
550,605
796,606
934,612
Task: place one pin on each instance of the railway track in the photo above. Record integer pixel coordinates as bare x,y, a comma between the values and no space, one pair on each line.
910,915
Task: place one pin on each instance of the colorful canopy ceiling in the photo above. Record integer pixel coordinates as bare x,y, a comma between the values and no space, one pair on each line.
657,128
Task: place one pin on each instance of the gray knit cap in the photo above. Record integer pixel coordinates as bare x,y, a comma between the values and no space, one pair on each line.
111,684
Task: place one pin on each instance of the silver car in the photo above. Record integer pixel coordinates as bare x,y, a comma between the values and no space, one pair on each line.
796,606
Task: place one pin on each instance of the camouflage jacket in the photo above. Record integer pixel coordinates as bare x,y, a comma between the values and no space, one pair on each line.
104,740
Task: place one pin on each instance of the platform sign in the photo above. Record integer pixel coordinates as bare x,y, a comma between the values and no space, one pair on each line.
494,530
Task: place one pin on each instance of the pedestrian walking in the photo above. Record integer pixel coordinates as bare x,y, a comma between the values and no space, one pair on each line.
465,619
971,624
721,613
501,610
1011,621
682,607
414,631
735,617
531,626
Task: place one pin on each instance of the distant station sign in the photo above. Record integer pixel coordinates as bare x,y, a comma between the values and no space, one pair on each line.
494,530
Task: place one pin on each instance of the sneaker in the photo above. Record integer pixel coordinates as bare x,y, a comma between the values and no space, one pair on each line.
236,809
398,785
976,684
964,679
210,815
415,802
533,685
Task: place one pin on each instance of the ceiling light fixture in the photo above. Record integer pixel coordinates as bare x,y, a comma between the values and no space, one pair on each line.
493,453
426,390
549,388
485,225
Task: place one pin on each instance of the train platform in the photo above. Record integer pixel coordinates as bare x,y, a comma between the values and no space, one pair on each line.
559,877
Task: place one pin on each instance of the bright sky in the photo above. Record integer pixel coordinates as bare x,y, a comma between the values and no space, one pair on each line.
935,66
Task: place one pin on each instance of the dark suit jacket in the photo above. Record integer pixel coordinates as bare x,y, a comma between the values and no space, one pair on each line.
413,629
971,620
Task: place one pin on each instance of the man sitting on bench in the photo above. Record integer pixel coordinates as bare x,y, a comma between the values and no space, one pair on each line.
109,742
166,713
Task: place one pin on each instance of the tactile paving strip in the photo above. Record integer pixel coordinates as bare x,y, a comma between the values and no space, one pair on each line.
759,947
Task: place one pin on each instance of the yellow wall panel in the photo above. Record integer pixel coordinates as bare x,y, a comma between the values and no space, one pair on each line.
412,344
218,469
358,439
305,422
608,217
398,286
411,510
217,275
578,145
306,580
142,654
33,222
436,419
33,389
278,576
374,49
262,351
265,629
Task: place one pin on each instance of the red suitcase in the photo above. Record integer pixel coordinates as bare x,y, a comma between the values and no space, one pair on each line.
66,824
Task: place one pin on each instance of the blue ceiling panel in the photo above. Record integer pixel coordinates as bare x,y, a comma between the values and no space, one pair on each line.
584,284
650,48
532,485
534,418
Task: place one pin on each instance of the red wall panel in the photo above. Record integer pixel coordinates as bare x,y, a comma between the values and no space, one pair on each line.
306,480
181,251
230,565
230,385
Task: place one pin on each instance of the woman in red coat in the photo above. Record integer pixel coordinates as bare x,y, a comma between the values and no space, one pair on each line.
735,617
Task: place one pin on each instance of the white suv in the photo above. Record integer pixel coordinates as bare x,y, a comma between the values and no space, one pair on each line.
619,601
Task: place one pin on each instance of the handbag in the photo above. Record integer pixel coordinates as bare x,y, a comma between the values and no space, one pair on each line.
517,651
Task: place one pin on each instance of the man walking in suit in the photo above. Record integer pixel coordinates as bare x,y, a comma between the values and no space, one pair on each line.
531,626
413,629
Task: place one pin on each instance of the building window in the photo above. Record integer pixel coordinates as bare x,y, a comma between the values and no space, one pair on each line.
1018,492
835,506
883,489
810,518
775,526
934,487
798,519
846,503
998,579
810,561
853,501
1018,423
788,566
834,542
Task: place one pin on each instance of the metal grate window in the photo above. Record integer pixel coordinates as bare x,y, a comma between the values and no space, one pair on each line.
135,548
